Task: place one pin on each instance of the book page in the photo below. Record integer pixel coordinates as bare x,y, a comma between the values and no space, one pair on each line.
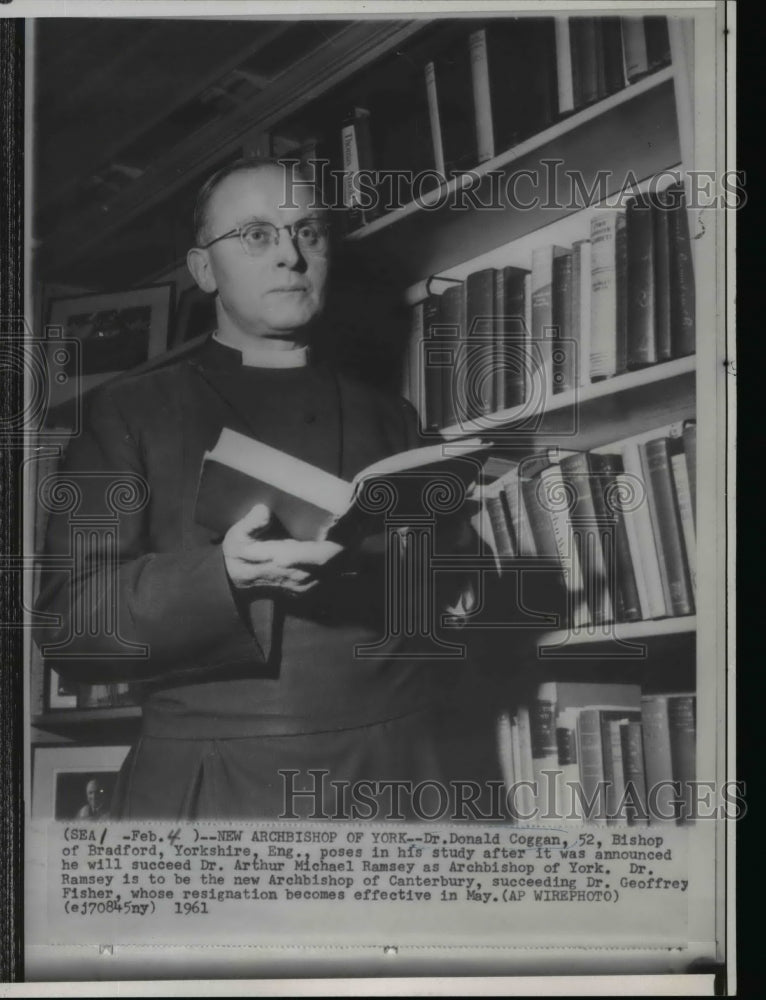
489,748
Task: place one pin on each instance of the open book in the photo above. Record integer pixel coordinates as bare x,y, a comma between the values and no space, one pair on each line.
312,504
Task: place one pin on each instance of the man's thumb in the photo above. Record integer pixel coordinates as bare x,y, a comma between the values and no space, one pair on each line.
256,520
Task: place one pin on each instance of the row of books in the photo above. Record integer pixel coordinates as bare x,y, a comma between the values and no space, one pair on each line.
619,299
619,522
621,747
486,87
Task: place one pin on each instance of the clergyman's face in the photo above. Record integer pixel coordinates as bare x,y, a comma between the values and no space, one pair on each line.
277,293
95,794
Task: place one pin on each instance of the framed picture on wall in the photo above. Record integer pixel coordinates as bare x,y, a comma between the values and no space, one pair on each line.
195,316
104,334
74,782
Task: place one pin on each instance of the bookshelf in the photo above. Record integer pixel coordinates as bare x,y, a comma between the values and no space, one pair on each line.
641,130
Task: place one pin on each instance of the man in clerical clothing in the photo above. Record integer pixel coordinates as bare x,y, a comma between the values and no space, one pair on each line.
244,645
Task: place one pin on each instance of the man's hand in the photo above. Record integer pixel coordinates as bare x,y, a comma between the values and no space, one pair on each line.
291,567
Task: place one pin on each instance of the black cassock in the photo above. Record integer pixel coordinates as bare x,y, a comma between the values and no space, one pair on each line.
235,692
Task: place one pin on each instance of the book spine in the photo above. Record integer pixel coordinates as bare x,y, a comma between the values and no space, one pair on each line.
512,337
689,435
588,59
635,773
621,294
657,42
682,285
662,322
564,82
589,528
500,532
603,348
357,156
517,510
682,725
563,367
599,56
582,251
540,523
614,770
625,594
452,322
432,374
613,55
485,139
478,398
505,749
634,47
542,731
648,555
518,769
526,798
542,314
683,495
567,549
415,392
591,757
568,764
658,763
433,117
642,343
665,518
634,547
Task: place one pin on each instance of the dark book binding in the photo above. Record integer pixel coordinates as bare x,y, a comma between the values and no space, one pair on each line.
592,534
657,42
454,94
611,41
666,521
478,395
432,368
563,357
642,344
607,468
662,322
682,285
689,435
510,370
682,723
521,54
621,293
635,774
452,339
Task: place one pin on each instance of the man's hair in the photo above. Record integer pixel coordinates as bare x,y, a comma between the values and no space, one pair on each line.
241,165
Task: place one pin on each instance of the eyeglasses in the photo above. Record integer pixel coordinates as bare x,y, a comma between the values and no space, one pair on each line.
308,235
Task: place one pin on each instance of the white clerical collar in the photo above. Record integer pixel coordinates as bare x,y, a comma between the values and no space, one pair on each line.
261,356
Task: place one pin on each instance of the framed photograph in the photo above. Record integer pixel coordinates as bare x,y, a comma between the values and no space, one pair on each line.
61,693
74,782
112,333
194,317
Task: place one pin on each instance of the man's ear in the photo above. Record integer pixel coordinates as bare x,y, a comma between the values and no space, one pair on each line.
198,262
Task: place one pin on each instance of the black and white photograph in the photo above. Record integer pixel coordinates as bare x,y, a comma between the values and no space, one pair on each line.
375,527
75,783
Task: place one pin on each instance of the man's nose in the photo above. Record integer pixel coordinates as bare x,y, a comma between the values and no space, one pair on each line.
287,253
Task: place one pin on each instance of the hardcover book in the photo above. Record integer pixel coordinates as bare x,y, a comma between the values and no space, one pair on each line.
308,502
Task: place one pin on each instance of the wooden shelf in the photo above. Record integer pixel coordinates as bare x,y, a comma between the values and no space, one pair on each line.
90,722
606,642
595,414
638,127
